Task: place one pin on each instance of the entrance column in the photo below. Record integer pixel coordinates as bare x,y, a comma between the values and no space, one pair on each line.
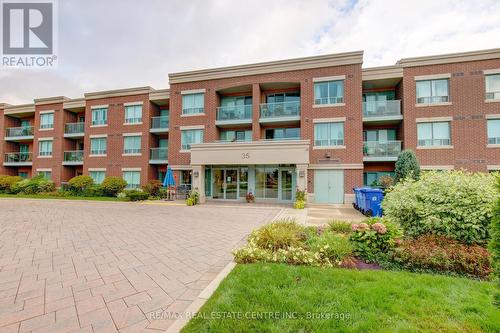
302,177
199,181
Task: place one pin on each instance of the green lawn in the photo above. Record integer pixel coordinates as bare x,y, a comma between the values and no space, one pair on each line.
40,196
355,301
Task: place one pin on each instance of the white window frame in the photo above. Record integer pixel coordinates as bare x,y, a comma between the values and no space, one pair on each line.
45,153
186,146
134,151
331,143
135,116
433,144
329,100
100,151
92,174
97,121
493,141
432,99
196,110
46,125
132,172
490,94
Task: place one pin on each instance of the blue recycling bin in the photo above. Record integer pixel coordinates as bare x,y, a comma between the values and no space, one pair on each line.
359,193
373,199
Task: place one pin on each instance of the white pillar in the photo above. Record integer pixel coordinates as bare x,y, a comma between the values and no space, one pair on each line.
199,181
302,176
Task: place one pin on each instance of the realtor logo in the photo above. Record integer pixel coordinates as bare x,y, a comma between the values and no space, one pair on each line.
28,33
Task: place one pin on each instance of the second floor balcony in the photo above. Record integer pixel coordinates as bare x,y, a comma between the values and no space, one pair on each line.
382,110
159,124
24,133
158,156
281,112
381,150
74,130
74,157
234,115
18,159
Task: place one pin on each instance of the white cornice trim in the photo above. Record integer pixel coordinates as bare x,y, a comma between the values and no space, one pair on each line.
493,116
491,71
131,169
119,93
100,106
450,58
133,103
383,72
329,60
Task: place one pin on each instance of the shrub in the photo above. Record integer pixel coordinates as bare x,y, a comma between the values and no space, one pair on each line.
494,245
445,255
299,204
341,227
300,195
93,191
33,186
153,187
278,235
136,195
78,184
386,181
406,166
250,197
7,181
333,247
454,204
193,199
375,239
111,186
293,255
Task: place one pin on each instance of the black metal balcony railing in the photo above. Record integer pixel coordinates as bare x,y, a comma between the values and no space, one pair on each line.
73,156
279,110
381,148
381,108
74,128
159,154
235,112
19,157
19,131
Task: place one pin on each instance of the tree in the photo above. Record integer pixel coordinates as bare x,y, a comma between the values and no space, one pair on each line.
494,245
407,166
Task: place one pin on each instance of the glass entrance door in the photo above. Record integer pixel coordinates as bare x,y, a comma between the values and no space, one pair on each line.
225,184
286,185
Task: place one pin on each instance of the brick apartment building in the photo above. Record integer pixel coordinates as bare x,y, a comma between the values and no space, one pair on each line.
322,123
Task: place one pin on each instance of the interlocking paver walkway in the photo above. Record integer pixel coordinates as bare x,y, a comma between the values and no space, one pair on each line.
73,266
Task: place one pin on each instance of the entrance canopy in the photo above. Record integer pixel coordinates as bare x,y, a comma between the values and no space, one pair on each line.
251,153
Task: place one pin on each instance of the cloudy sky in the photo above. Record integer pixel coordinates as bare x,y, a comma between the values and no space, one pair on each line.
111,44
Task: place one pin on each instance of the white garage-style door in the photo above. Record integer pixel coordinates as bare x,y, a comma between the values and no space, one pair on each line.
329,186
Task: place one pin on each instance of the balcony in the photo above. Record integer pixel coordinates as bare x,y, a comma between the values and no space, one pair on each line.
382,111
74,130
234,115
282,113
158,156
24,133
381,151
159,124
74,157
18,159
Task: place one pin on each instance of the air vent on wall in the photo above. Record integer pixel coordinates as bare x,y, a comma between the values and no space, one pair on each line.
477,116
458,117
476,73
458,74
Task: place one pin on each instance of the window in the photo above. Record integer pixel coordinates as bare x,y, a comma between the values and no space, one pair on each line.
236,135
45,148
133,114
493,86
282,133
193,103
494,131
23,174
329,92
45,174
47,120
131,144
380,135
133,179
98,146
433,134
189,137
97,176
100,116
283,97
373,178
329,134
186,177
432,91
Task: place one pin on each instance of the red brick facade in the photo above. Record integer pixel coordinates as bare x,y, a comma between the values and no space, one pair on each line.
468,110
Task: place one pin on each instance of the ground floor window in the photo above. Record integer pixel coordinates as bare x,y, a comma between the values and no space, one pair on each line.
266,182
161,176
185,177
133,179
97,176
373,178
23,174
208,182
45,174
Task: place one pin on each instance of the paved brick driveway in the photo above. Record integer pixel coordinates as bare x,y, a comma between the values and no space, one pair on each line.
103,267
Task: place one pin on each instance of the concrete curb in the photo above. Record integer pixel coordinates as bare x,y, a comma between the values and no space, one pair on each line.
202,298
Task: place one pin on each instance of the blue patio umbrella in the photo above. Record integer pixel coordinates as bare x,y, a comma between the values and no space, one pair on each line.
169,178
